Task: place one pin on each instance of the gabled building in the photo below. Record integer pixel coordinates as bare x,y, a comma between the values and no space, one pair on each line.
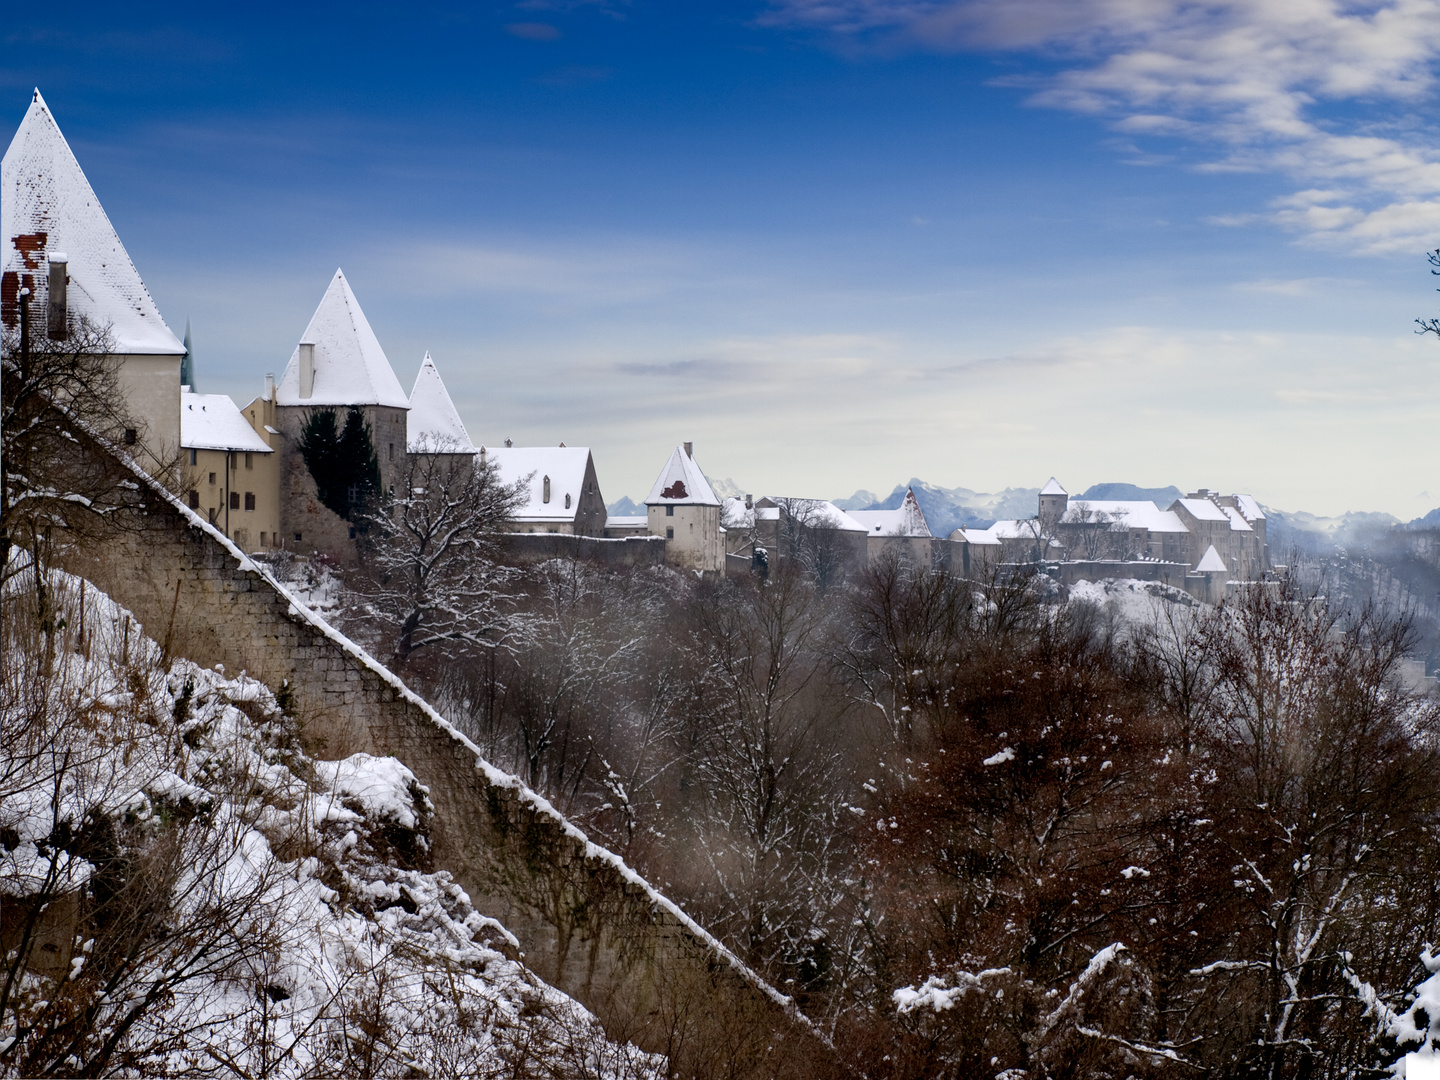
230,474
683,509
903,530
338,365
56,241
433,425
560,491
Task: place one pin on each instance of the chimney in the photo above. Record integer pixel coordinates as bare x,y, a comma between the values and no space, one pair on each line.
749,503
690,450
58,315
269,386
307,368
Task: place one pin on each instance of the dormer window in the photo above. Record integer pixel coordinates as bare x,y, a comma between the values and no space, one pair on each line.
545,491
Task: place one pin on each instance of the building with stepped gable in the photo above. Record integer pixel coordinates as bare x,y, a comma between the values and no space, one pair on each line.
57,243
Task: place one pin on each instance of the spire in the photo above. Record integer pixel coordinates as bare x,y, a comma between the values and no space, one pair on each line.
433,422
49,209
348,366
187,362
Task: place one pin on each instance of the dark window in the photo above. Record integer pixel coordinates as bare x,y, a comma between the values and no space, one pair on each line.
194,500
352,495
392,451
669,533
352,532
212,477
129,436
234,500
669,511
297,538
212,515
248,463
194,456
249,500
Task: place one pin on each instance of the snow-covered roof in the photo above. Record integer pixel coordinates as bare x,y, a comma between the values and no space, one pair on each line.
734,514
1237,520
626,521
1053,488
214,422
1250,508
47,207
980,537
564,465
1202,509
817,513
1128,514
433,421
1210,562
681,483
350,365
1026,528
906,520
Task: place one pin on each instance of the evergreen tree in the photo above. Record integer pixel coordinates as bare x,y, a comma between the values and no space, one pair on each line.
342,462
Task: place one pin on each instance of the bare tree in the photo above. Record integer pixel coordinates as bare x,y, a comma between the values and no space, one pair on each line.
431,580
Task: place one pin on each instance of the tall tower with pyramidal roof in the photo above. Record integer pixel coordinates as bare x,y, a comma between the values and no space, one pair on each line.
56,241
337,365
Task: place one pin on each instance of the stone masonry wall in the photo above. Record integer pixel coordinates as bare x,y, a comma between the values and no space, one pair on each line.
586,922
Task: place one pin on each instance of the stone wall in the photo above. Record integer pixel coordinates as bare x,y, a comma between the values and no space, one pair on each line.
586,922
604,550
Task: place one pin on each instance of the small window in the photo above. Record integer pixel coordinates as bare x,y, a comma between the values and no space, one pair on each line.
212,513
194,500
545,491
249,463
352,532
567,500
249,500
352,495
130,436
669,533
212,477
392,451
234,500
194,457
297,538
669,511
262,539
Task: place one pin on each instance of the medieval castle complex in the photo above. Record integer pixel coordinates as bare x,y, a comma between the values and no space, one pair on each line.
242,468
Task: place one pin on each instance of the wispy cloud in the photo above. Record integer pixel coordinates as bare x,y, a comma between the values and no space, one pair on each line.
1329,92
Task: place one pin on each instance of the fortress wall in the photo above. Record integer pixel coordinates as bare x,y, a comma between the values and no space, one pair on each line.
586,922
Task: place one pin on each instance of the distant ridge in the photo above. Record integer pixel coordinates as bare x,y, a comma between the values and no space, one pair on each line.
625,507
948,509
1161,497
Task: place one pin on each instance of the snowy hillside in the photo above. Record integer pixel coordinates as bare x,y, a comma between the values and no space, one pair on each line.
186,890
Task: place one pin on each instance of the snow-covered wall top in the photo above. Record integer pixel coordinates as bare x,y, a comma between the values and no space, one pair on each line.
350,366
47,208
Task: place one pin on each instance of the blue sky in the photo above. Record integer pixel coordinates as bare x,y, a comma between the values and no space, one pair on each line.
836,243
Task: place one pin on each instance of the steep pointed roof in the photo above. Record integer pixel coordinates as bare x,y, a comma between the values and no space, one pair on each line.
681,483
1053,488
905,520
47,207
1211,563
433,422
350,365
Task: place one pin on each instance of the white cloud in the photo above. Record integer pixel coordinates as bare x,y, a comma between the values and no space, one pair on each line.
1330,92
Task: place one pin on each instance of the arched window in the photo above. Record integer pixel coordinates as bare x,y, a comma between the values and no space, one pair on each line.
545,491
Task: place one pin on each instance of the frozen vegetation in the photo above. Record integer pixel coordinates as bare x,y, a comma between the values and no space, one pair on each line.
186,892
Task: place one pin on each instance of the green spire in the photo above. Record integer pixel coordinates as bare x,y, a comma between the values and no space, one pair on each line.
187,362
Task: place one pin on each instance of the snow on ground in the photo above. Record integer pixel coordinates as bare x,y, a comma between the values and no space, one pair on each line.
330,938
1133,602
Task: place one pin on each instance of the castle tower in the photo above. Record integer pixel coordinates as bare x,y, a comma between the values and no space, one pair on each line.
1054,501
56,241
337,365
682,508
